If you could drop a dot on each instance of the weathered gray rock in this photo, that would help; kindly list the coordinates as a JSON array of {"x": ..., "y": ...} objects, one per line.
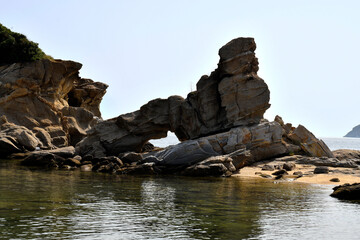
[
  {"x": 213, "y": 166},
  {"x": 309, "y": 143},
  {"x": 248, "y": 144},
  {"x": 329, "y": 162}
]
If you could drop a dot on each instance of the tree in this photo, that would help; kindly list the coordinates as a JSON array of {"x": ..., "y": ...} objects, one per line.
[{"x": 15, "y": 47}]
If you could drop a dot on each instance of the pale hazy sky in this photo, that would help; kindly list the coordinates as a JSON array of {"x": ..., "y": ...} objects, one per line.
[{"x": 308, "y": 50}]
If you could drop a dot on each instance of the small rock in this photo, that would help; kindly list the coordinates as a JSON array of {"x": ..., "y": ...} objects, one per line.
[
  {"x": 72, "y": 162},
  {"x": 86, "y": 162},
  {"x": 280, "y": 172},
  {"x": 77, "y": 157},
  {"x": 298, "y": 174},
  {"x": 321, "y": 170},
  {"x": 267, "y": 167},
  {"x": 86, "y": 168},
  {"x": 111, "y": 159},
  {"x": 289, "y": 166},
  {"x": 130, "y": 157},
  {"x": 263, "y": 175},
  {"x": 66, "y": 167},
  {"x": 335, "y": 180},
  {"x": 278, "y": 166},
  {"x": 279, "y": 177},
  {"x": 150, "y": 159}
]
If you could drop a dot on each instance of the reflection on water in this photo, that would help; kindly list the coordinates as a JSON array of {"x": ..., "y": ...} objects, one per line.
[{"x": 74, "y": 205}]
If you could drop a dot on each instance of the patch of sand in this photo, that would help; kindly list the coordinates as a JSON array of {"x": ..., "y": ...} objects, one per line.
[{"x": 345, "y": 175}]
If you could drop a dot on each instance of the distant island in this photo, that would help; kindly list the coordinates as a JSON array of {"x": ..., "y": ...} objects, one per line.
[{"x": 355, "y": 132}]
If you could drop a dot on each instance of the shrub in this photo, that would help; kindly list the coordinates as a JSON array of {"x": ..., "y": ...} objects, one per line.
[{"x": 15, "y": 47}]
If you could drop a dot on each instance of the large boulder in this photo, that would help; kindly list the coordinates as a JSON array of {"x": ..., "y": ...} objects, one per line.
[
  {"x": 242, "y": 144},
  {"x": 213, "y": 166},
  {"x": 347, "y": 191}
]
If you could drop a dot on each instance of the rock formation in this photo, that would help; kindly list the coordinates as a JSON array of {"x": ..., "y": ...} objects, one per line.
[
  {"x": 221, "y": 121},
  {"x": 355, "y": 132},
  {"x": 47, "y": 103},
  {"x": 233, "y": 95}
]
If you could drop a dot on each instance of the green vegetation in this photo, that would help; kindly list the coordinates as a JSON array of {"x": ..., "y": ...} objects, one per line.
[{"x": 15, "y": 47}]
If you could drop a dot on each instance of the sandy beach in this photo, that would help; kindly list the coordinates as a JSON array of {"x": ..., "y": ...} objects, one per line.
[{"x": 345, "y": 175}]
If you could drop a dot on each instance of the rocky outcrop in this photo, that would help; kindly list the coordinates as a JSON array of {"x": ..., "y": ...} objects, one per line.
[
  {"x": 47, "y": 100},
  {"x": 355, "y": 132},
  {"x": 220, "y": 125},
  {"x": 232, "y": 96},
  {"x": 343, "y": 154},
  {"x": 221, "y": 122}
]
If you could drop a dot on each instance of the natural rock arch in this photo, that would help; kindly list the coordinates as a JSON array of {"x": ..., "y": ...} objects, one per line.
[{"x": 233, "y": 95}]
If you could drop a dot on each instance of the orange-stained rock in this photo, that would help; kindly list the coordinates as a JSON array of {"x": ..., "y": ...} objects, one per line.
[{"x": 39, "y": 96}]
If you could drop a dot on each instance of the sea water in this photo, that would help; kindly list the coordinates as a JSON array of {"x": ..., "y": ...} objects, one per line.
[
  {"x": 36, "y": 204},
  {"x": 333, "y": 143}
]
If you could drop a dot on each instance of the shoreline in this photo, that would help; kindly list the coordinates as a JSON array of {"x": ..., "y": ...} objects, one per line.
[{"x": 345, "y": 175}]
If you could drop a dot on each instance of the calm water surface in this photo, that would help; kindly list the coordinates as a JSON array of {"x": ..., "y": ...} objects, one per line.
[{"x": 76, "y": 205}]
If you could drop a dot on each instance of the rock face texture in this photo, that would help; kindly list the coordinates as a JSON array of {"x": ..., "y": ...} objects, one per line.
[
  {"x": 355, "y": 132},
  {"x": 47, "y": 101},
  {"x": 233, "y": 95}
]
